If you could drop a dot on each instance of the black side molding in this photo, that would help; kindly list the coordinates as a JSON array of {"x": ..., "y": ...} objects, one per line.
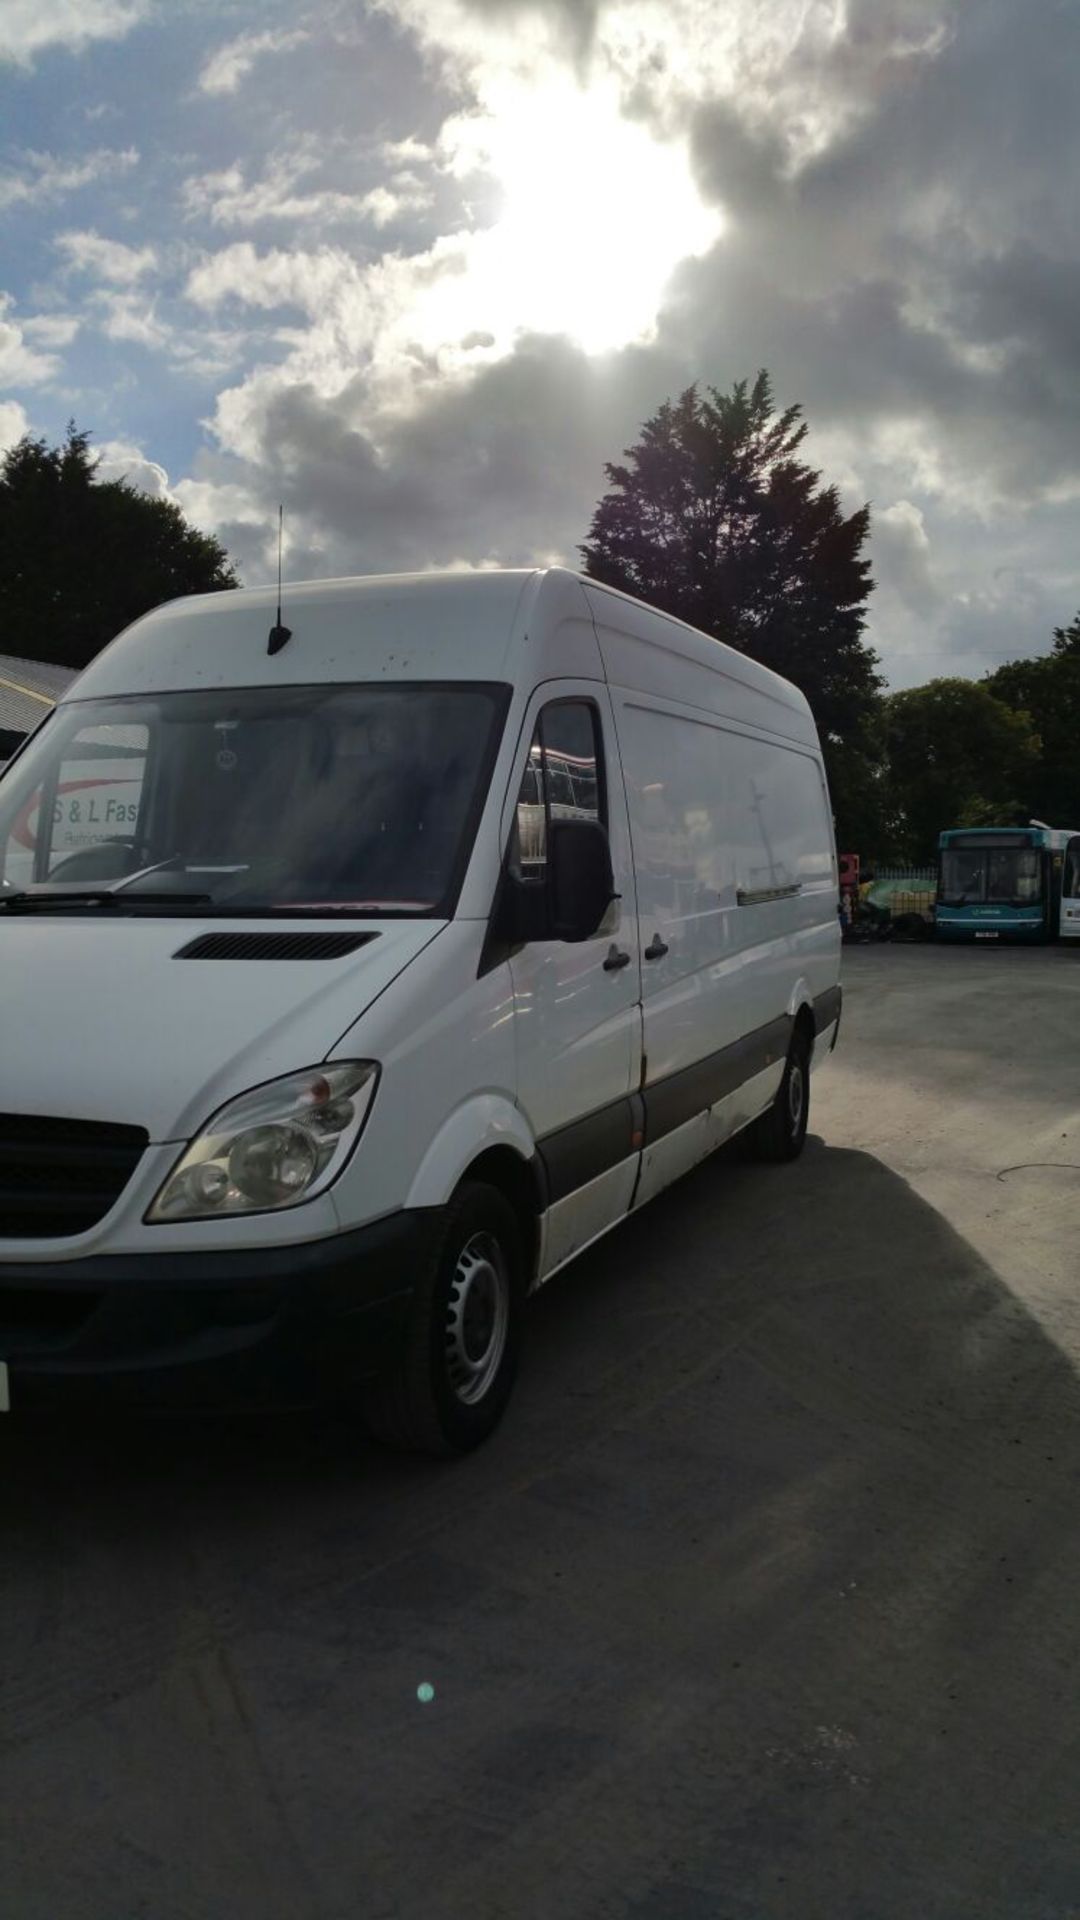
[
  {"x": 582, "y": 1151},
  {"x": 759, "y": 896},
  {"x": 670, "y": 1102},
  {"x": 827, "y": 1008},
  {"x": 586, "y": 1148}
]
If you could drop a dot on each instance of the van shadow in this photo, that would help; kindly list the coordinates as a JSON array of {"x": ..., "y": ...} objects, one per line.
[{"x": 762, "y": 1602}]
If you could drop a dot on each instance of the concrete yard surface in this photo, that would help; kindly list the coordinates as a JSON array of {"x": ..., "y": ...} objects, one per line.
[{"x": 762, "y": 1604}]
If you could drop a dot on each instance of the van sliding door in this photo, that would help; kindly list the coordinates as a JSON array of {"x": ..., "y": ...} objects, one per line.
[{"x": 732, "y": 855}]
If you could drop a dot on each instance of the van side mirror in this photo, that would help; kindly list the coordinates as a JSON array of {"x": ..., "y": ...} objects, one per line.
[{"x": 581, "y": 883}]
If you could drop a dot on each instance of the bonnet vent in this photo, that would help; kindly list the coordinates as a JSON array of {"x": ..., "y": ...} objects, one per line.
[{"x": 273, "y": 946}]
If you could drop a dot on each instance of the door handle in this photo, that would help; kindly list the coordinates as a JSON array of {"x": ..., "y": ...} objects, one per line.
[
  {"x": 616, "y": 959},
  {"x": 656, "y": 948}
]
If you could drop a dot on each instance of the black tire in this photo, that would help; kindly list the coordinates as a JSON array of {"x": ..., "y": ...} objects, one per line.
[
  {"x": 780, "y": 1133},
  {"x": 453, "y": 1377}
]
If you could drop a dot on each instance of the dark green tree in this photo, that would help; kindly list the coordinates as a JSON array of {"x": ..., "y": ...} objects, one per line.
[
  {"x": 956, "y": 757},
  {"x": 716, "y": 519},
  {"x": 1049, "y": 690},
  {"x": 80, "y": 558}
]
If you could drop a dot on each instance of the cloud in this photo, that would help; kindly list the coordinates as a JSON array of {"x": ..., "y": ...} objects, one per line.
[
  {"x": 402, "y": 194},
  {"x": 232, "y": 63},
  {"x": 132, "y": 317},
  {"x": 808, "y": 70},
  {"x": 30, "y": 27},
  {"x": 51, "y": 329},
  {"x": 123, "y": 460},
  {"x": 208, "y": 353},
  {"x": 1011, "y": 614},
  {"x": 13, "y": 424},
  {"x": 20, "y": 365},
  {"x": 892, "y": 241},
  {"x": 901, "y": 553},
  {"x": 109, "y": 260},
  {"x": 499, "y": 467},
  {"x": 229, "y": 199},
  {"x": 278, "y": 278},
  {"x": 44, "y": 178},
  {"x": 428, "y": 344}
]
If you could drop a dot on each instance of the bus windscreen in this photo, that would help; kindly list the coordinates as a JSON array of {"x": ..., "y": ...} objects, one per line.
[{"x": 992, "y": 872}]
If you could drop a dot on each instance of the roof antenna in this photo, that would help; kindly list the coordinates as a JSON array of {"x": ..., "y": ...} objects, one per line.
[{"x": 278, "y": 633}]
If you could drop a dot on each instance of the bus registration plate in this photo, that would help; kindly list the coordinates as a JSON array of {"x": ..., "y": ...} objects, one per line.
[{"x": 986, "y": 934}]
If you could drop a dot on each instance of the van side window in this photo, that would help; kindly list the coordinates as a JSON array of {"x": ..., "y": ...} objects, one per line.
[
  {"x": 716, "y": 815},
  {"x": 563, "y": 780}
]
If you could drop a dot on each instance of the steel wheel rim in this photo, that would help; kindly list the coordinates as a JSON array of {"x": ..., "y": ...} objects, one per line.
[
  {"x": 795, "y": 1095},
  {"x": 477, "y": 1318}
]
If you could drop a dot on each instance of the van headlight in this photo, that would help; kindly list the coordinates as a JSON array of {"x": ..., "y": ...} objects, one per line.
[{"x": 280, "y": 1144}]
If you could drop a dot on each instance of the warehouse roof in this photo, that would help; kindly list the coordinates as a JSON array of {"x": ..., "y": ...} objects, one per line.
[{"x": 28, "y": 688}]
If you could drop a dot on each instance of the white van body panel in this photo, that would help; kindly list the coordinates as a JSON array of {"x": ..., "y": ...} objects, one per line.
[
  {"x": 444, "y": 1040},
  {"x": 734, "y": 864},
  {"x": 422, "y": 626},
  {"x": 168, "y": 1059},
  {"x": 482, "y": 1122},
  {"x": 553, "y": 640},
  {"x": 662, "y": 657}
]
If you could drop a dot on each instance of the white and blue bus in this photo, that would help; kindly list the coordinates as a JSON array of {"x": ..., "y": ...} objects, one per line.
[
  {"x": 1070, "y": 890},
  {"x": 1008, "y": 883}
]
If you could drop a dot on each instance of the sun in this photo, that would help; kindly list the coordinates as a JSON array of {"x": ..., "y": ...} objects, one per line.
[{"x": 594, "y": 215}]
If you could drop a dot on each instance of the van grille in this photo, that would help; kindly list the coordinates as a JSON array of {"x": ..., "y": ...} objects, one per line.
[{"x": 61, "y": 1176}]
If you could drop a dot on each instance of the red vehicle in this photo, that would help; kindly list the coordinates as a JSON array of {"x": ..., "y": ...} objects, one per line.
[{"x": 849, "y": 887}]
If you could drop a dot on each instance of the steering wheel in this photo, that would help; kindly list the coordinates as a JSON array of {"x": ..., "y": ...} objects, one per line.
[{"x": 86, "y": 862}]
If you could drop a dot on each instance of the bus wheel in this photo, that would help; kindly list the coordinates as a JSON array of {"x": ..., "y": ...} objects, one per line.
[
  {"x": 780, "y": 1133},
  {"x": 453, "y": 1378}
]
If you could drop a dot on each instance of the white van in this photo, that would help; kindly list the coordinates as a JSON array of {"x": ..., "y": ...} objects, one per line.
[{"x": 350, "y": 986}]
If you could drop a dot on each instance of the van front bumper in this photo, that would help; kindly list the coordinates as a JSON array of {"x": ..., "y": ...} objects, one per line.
[{"x": 259, "y": 1326}]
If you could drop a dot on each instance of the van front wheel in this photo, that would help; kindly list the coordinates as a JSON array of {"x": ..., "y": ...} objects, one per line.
[
  {"x": 454, "y": 1375},
  {"x": 780, "y": 1133}
]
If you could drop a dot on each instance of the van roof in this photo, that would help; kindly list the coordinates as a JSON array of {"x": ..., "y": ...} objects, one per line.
[{"x": 478, "y": 625}]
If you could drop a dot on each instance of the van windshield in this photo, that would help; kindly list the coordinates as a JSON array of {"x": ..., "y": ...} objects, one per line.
[{"x": 331, "y": 799}]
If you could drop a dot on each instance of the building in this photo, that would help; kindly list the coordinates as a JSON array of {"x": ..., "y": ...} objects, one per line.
[{"x": 28, "y": 689}]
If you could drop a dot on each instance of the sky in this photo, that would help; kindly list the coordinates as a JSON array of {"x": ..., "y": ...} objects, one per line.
[{"x": 416, "y": 268}]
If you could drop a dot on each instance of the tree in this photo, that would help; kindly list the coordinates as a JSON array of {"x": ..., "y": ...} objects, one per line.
[
  {"x": 1049, "y": 690},
  {"x": 715, "y": 519},
  {"x": 80, "y": 558},
  {"x": 956, "y": 757}
]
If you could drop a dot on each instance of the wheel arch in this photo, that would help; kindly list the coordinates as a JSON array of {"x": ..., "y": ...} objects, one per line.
[
  {"x": 487, "y": 1139},
  {"x": 801, "y": 1014},
  {"x": 520, "y": 1182}
]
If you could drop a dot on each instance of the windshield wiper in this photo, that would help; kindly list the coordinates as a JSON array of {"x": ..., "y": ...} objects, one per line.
[{"x": 26, "y": 902}]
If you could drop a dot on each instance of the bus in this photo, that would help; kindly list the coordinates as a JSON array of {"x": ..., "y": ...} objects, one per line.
[
  {"x": 1070, "y": 890},
  {"x": 1005, "y": 883}
]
